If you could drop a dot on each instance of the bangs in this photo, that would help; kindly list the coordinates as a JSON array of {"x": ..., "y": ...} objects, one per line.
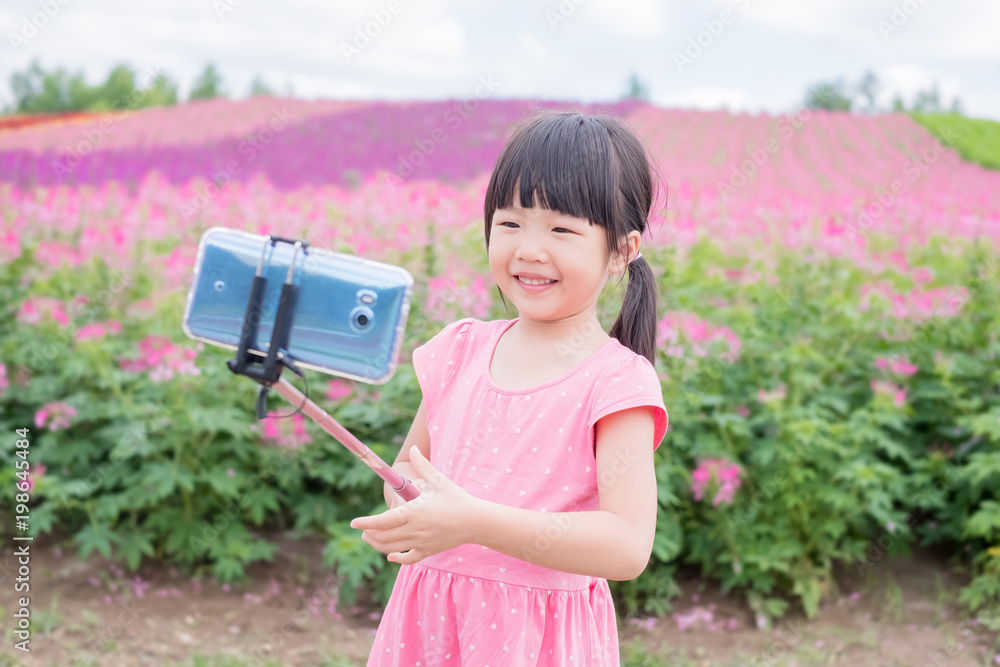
[{"x": 560, "y": 162}]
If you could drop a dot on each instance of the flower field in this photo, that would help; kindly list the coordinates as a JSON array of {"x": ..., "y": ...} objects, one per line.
[{"x": 828, "y": 334}]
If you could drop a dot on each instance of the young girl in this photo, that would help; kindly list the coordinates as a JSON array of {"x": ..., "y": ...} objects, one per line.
[{"x": 533, "y": 445}]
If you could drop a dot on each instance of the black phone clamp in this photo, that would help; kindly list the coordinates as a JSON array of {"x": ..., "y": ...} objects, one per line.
[{"x": 267, "y": 371}]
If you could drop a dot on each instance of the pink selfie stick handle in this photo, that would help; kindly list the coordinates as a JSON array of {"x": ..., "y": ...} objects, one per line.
[{"x": 403, "y": 487}]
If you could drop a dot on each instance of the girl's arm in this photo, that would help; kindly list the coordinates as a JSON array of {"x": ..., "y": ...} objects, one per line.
[
  {"x": 614, "y": 542},
  {"x": 418, "y": 436}
]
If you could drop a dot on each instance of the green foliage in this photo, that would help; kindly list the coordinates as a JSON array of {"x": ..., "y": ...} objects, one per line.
[
  {"x": 831, "y": 470},
  {"x": 39, "y": 91},
  {"x": 976, "y": 140},
  {"x": 207, "y": 85}
]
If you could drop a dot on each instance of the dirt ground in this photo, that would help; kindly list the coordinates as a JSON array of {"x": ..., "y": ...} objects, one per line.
[{"x": 904, "y": 614}]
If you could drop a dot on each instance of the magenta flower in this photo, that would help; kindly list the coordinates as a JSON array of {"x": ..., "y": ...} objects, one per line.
[
  {"x": 54, "y": 416},
  {"x": 34, "y": 471},
  {"x": 337, "y": 390},
  {"x": 35, "y": 308},
  {"x": 284, "y": 432},
  {"x": 897, "y": 365},
  {"x": 726, "y": 475},
  {"x": 898, "y": 394},
  {"x": 162, "y": 359},
  {"x": 447, "y": 300},
  {"x": 97, "y": 330},
  {"x": 678, "y": 328}
]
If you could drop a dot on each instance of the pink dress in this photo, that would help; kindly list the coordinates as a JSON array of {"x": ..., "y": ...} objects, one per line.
[{"x": 530, "y": 448}]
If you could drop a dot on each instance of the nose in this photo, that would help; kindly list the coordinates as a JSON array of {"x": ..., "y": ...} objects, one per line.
[{"x": 530, "y": 248}]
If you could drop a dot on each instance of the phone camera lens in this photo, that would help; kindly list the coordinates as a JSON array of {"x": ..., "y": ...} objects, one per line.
[{"x": 361, "y": 318}]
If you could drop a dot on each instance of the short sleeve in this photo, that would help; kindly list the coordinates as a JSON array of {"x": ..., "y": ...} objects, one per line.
[
  {"x": 633, "y": 383},
  {"x": 436, "y": 361}
]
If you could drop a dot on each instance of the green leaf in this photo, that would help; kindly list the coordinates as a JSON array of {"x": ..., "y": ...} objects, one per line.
[
  {"x": 133, "y": 544},
  {"x": 92, "y": 537}
]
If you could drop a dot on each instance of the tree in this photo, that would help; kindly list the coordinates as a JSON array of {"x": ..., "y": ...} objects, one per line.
[
  {"x": 207, "y": 85},
  {"x": 39, "y": 91},
  {"x": 258, "y": 87},
  {"x": 832, "y": 96},
  {"x": 636, "y": 89},
  {"x": 869, "y": 88}
]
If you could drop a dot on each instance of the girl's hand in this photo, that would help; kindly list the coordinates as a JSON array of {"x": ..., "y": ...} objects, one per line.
[
  {"x": 442, "y": 517},
  {"x": 395, "y": 500}
]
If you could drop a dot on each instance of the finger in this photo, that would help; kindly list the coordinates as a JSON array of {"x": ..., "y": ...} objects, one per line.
[
  {"x": 385, "y": 546},
  {"x": 406, "y": 557},
  {"x": 388, "y": 519},
  {"x": 375, "y": 544},
  {"x": 389, "y": 535}
]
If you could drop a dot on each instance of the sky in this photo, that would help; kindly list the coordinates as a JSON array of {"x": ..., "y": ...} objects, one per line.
[{"x": 743, "y": 55}]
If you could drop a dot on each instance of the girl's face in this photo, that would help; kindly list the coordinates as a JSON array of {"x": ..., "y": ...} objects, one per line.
[{"x": 539, "y": 244}]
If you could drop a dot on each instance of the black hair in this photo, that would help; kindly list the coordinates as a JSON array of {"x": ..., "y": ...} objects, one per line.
[{"x": 590, "y": 166}]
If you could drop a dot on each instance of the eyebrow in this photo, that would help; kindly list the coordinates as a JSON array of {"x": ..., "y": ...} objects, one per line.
[{"x": 518, "y": 212}]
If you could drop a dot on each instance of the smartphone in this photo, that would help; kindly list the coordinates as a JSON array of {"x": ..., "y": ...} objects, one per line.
[{"x": 349, "y": 315}]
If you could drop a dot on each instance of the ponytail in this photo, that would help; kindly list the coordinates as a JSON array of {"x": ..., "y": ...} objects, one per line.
[{"x": 635, "y": 327}]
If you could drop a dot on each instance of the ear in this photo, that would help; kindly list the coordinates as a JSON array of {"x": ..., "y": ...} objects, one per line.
[{"x": 621, "y": 261}]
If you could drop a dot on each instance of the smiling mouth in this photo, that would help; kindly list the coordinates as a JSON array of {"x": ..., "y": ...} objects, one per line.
[{"x": 534, "y": 283}]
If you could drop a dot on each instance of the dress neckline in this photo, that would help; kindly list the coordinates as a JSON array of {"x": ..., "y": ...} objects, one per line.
[{"x": 544, "y": 385}]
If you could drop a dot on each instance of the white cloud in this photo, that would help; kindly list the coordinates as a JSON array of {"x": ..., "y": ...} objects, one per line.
[
  {"x": 636, "y": 18},
  {"x": 961, "y": 29}
]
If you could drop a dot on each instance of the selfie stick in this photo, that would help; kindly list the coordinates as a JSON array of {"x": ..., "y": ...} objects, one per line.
[{"x": 267, "y": 373}]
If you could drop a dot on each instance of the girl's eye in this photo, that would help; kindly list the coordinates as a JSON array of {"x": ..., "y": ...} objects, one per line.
[{"x": 507, "y": 222}]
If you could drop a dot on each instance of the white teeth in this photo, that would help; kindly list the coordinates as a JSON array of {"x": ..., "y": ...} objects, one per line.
[{"x": 535, "y": 282}]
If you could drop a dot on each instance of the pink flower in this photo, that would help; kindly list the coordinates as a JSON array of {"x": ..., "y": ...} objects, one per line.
[
  {"x": 727, "y": 475},
  {"x": 92, "y": 330},
  {"x": 34, "y": 471},
  {"x": 278, "y": 431},
  {"x": 898, "y": 394},
  {"x": 685, "y": 621},
  {"x": 648, "y": 623},
  {"x": 447, "y": 300},
  {"x": 742, "y": 410},
  {"x": 679, "y": 327},
  {"x": 34, "y": 308},
  {"x": 897, "y": 365},
  {"x": 139, "y": 587},
  {"x": 775, "y": 394},
  {"x": 338, "y": 390},
  {"x": 54, "y": 416},
  {"x": 4, "y": 382},
  {"x": 162, "y": 359}
]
